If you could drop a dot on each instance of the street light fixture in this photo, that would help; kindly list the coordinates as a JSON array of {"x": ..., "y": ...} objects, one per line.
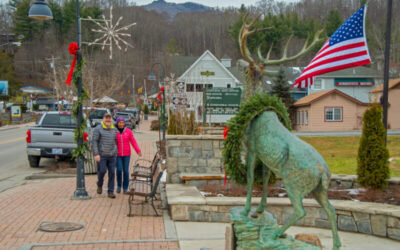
[{"x": 39, "y": 10}]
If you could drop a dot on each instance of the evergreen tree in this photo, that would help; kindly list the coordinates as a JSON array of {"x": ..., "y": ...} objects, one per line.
[
  {"x": 281, "y": 89},
  {"x": 7, "y": 73},
  {"x": 372, "y": 159},
  {"x": 333, "y": 22}
]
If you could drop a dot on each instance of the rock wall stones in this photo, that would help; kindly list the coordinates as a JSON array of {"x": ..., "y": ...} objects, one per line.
[
  {"x": 362, "y": 217},
  {"x": 193, "y": 154}
]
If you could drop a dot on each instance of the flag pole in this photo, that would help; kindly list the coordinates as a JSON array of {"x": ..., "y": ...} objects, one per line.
[{"x": 387, "y": 65}]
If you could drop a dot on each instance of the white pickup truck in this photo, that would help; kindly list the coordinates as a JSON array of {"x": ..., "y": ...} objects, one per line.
[{"x": 52, "y": 137}]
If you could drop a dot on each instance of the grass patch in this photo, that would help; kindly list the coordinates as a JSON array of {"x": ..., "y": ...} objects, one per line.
[{"x": 340, "y": 152}]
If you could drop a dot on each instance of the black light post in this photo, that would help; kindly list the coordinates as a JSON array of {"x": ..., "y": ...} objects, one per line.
[
  {"x": 39, "y": 10},
  {"x": 153, "y": 77},
  {"x": 387, "y": 65}
]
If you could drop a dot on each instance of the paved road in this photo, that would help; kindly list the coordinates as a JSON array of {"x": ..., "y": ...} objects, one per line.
[{"x": 14, "y": 165}]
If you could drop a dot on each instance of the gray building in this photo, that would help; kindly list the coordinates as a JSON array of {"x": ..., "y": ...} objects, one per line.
[{"x": 355, "y": 82}]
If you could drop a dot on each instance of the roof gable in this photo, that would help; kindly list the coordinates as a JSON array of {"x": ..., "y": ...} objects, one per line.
[
  {"x": 308, "y": 100},
  {"x": 392, "y": 84},
  {"x": 207, "y": 55}
]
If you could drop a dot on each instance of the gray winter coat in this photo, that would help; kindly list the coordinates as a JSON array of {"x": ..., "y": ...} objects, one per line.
[{"x": 104, "y": 141}]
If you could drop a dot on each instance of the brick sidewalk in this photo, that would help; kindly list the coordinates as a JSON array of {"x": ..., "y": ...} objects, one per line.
[{"x": 24, "y": 208}]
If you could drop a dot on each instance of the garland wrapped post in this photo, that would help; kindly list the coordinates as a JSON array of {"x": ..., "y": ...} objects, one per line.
[
  {"x": 82, "y": 148},
  {"x": 234, "y": 135}
]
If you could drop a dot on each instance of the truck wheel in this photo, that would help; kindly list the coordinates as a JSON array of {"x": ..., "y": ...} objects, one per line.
[{"x": 34, "y": 161}]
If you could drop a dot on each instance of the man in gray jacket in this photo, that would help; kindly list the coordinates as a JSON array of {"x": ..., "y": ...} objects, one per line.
[{"x": 105, "y": 152}]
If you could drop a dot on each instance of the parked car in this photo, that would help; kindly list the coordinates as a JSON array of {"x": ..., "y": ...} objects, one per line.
[
  {"x": 129, "y": 119},
  {"x": 135, "y": 112},
  {"x": 96, "y": 116},
  {"x": 53, "y": 136}
]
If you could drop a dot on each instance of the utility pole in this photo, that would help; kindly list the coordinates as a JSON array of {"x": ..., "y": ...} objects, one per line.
[
  {"x": 55, "y": 81},
  {"x": 387, "y": 65},
  {"x": 145, "y": 93},
  {"x": 133, "y": 87}
]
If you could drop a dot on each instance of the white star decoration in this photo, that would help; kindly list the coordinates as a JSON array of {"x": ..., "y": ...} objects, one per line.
[{"x": 111, "y": 34}]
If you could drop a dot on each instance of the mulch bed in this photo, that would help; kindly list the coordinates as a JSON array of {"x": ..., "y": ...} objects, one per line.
[{"x": 390, "y": 195}]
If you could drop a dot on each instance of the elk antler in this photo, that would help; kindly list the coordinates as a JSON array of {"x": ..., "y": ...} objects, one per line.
[
  {"x": 243, "y": 34},
  {"x": 306, "y": 48}
]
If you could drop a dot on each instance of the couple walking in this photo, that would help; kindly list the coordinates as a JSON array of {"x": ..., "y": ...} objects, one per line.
[{"x": 111, "y": 148}]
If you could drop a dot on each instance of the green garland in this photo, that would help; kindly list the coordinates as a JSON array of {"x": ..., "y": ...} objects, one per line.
[
  {"x": 233, "y": 148},
  {"x": 80, "y": 151}
]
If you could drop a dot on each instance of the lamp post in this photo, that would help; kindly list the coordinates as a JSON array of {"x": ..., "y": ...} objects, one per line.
[
  {"x": 163, "y": 112},
  {"x": 39, "y": 10},
  {"x": 387, "y": 65}
]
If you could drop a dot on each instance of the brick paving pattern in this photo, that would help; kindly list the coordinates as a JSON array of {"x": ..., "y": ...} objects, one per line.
[{"x": 24, "y": 208}]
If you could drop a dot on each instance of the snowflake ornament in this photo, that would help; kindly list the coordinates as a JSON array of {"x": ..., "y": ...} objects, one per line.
[{"x": 111, "y": 33}]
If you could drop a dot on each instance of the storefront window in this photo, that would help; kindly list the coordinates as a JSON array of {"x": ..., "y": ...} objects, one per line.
[
  {"x": 199, "y": 87},
  {"x": 189, "y": 87}
]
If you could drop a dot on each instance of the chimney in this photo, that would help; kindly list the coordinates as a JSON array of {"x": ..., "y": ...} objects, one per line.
[{"x": 226, "y": 61}]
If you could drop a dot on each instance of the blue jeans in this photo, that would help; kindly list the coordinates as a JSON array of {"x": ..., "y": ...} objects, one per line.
[
  {"x": 106, "y": 164},
  {"x": 123, "y": 168}
]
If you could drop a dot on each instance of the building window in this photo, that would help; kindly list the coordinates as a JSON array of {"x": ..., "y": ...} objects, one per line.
[
  {"x": 306, "y": 117},
  {"x": 228, "y": 85},
  {"x": 199, "y": 87},
  {"x": 333, "y": 114},
  {"x": 189, "y": 87},
  {"x": 302, "y": 117},
  {"x": 317, "y": 84},
  {"x": 298, "y": 117},
  {"x": 209, "y": 86}
]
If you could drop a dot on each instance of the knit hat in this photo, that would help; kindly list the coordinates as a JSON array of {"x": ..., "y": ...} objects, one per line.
[{"x": 120, "y": 118}]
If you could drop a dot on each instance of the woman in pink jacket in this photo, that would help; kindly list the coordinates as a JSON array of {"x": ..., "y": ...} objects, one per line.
[{"x": 124, "y": 140}]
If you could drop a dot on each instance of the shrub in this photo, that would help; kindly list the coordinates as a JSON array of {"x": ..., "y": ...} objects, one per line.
[
  {"x": 372, "y": 159},
  {"x": 155, "y": 125},
  {"x": 146, "y": 110}
]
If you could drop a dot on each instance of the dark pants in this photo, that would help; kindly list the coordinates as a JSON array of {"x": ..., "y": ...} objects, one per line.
[
  {"x": 123, "y": 169},
  {"x": 106, "y": 163}
]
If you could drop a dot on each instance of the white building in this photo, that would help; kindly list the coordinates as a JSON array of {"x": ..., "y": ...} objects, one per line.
[{"x": 207, "y": 72}]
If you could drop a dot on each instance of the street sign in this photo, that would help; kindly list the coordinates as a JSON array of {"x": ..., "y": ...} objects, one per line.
[
  {"x": 3, "y": 88},
  {"x": 223, "y": 101}
]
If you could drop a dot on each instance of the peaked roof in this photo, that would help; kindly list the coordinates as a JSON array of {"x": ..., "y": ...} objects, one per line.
[
  {"x": 207, "y": 52},
  {"x": 105, "y": 99},
  {"x": 308, "y": 100},
  {"x": 392, "y": 83}
]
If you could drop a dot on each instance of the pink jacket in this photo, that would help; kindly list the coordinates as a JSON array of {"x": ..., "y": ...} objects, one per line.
[{"x": 124, "y": 148}]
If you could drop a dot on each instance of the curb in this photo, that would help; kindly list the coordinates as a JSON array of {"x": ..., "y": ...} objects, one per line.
[{"x": 48, "y": 176}]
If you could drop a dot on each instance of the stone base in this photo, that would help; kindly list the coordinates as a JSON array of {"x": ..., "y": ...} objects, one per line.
[{"x": 259, "y": 233}]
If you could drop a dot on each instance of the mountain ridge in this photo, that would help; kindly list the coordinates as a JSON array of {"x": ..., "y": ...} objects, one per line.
[{"x": 162, "y": 6}]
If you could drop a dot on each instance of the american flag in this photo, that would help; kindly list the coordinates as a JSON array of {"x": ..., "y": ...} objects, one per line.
[{"x": 346, "y": 48}]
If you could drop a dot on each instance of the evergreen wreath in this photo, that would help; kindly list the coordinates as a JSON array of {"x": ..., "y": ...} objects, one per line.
[{"x": 233, "y": 145}]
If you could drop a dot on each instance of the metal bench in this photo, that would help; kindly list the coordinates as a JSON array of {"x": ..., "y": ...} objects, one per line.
[{"x": 141, "y": 186}]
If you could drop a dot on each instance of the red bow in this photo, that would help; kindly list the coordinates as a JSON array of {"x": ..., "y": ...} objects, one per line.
[
  {"x": 73, "y": 50},
  {"x": 225, "y": 133},
  {"x": 159, "y": 97},
  {"x": 162, "y": 89}
]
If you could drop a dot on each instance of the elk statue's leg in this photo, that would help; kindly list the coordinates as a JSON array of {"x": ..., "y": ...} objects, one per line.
[
  {"x": 251, "y": 163},
  {"x": 297, "y": 201},
  {"x": 320, "y": 193},
  {"x": 263, "y": 203}
]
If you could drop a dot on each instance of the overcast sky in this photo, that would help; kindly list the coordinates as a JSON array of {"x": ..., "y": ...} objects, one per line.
[{"x": 211, "y": 3}]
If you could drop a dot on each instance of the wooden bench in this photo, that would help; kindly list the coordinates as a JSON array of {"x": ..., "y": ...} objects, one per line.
[{"x": 201, "y": 179}]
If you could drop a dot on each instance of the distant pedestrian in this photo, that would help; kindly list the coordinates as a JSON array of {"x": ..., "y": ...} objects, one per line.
[
  {"x": 105, "y": 151},
  {"x": 125, "y": 138}
]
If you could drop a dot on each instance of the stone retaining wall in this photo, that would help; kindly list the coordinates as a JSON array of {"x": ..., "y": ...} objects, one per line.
[
  {"x": 187, "y": 204},
  {"x": 193, "y": 154},
  {"x": 203, "y": 154}
]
